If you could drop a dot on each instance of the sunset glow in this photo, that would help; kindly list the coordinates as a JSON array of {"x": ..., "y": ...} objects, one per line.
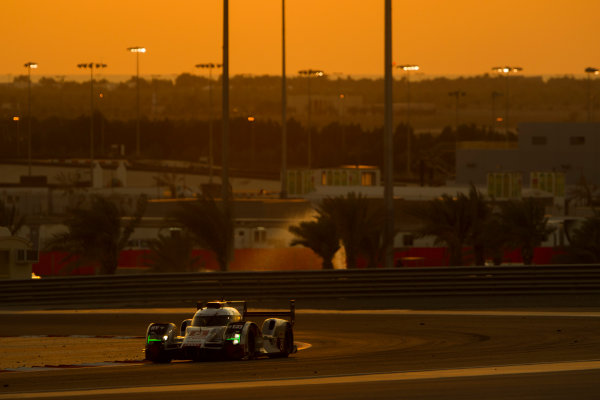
[{"x": 462, "y": 37}]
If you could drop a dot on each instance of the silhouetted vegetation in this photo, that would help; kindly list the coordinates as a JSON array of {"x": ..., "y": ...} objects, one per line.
[
  {"x": 10, "y": 218},
  {"x": 353, "y": 221},
  {"x": 210, "y": 226},
  {"x": 172, "y": 253},
  {"x": 320, "y": 235},
  {"x": 96, "y": 234}
]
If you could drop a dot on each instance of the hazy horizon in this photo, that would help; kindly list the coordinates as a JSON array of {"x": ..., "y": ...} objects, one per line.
[
  {"x": 458, "y": 38},
  {"x": 115, "y": 78}
]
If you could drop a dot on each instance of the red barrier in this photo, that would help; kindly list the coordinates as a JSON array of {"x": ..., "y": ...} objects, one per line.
[{"x": 279, "y": 259}]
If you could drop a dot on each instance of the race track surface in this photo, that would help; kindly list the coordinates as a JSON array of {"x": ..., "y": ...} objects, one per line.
[{"x": 404, "y": 355}]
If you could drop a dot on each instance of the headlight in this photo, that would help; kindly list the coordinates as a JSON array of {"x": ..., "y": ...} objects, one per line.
[
  {"x": 235, "y": 339},
  {"x": 165, "y": 338}
]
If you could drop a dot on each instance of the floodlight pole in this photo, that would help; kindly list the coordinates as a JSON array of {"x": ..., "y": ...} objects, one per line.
[
  {"x": 91, "y": 66},
  {"x": 507, "y": 70},
  {"x": 388, "y": 141},
  {"x": 283, "y": 193},
  {"x": 225, "y": 193},
  {"x": 210, "y": 67},
  {"x": 137, "y": 50},
  {"x": 590, "y": 71},
  {"x": 29, "y": 66}
]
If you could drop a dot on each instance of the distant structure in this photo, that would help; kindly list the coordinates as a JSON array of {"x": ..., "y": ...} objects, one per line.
[
  {"x": 16, "y": 256},
  {"x": 571, "y": 150}
]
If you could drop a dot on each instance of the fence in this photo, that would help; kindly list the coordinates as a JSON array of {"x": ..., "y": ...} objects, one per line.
[{"x": 166, "y": 290}]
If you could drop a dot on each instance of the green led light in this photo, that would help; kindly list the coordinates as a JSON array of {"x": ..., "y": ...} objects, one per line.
[{"x": 154, "y": 340}]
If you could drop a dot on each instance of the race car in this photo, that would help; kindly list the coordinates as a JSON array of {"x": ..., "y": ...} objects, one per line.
[{"x": 220, "y": 330}]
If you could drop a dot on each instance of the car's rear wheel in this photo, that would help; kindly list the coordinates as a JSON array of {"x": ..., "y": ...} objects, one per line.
[{"x": 285, "y": 344}]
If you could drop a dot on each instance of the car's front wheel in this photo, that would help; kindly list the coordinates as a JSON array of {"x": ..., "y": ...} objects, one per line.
[{"x": 157, "y": 354}]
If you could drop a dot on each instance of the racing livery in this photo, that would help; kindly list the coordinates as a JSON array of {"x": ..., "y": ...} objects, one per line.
[{"x": 220, "y": 329}]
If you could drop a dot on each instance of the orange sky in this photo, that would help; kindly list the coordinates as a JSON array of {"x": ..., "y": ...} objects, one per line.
[{"x": 457, "y": 37}]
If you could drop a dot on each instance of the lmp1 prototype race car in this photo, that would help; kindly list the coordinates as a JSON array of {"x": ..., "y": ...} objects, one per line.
[{"x": 220, "y": 329}]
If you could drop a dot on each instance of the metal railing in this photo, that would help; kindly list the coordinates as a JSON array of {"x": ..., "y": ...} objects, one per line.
[{"x": 179, "y": 289}]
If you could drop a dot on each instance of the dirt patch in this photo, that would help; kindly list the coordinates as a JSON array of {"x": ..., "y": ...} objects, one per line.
[{"x": 18, "y": 352}]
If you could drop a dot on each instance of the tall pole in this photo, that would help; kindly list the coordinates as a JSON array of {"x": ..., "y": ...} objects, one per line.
[
  {"x": 29, "y": 120},
  {"x": 29, "y": 66},
  {"x": 506, "y": 102},
  {"x": 494, "y": 118},
  {"x": 91, "y": 124},
  {"x": 225, "y": 140},
  {"x": 137, "y": 50},
  {"x": 210, "y": 127},
  {"x": 507, "y": 71},
  {"x": 388, "y": 140},
  {"x": 210, "y": 67},
  {"x": 589, "y": 97},
  {"x": 456, "y": 94},
  {"x": 17, "y": 119},
  {"x": 408, "y": 124},
  {"x": 407, "y": 68},
  {"x": 283, "y": 193},
  {"x": 137, "y": 86},
  {"x": 308, "y": 125},
  {"x": 91, "y": 66},
  {"x": 590, "y": 71},
  {"x": 308, "y": 73}
]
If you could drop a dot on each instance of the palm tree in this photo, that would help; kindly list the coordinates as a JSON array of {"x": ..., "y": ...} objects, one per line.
[
  {"x": 96, "y": 234},
  {"x": 496, "y": 238},
  {"x": 355, "y": 222},
  {"x": 10, "y": 218},
  {"x": 586, "y": 194},
  {"x": 373, "y": 241},
  {"x": 526, "y": 224},
  {"x": 450, "y": 220},
  {"x": 320, "y": 236},
  {"x": 170, "y": 180},
  {"x": 172, "y": 254},
  {"x": 481, "y": 213},
  {"x": 210, "y": 225},
  {"x": 584, "y": 243}
]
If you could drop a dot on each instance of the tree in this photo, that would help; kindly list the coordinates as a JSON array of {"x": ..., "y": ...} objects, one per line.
[
  {"x": 496, "y": 238},
  {"x": 359, "y": 225},
  {"x": 320, "y": 236},
  {"x": 481, "y": 214},
  {"x": 96, "y": 234},
  {"x": 450, "y": 220},
  {"x": 10, "y": 218},
  {"x": 526, "y": 224},
  {"x": 172, "y": 254},
  {"x": 170, "y": 180},
  {"x": 210, "y": 225},
  {"x": 373, "y": 242},
  {"x": 584, "y": 245},
  {"x": 586, "y": 194}
]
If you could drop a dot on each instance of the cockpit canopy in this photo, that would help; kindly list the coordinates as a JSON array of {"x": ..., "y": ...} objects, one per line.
[{"x": 216, "y": 317}]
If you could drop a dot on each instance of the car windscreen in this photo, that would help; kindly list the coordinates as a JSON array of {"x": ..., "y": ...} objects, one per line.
[{"x": 214, "y": 320}]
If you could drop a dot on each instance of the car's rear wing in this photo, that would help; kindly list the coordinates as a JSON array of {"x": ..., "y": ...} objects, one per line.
[
  {"x": 290, "y": 315},
  {"x": 243, "y": 309}
]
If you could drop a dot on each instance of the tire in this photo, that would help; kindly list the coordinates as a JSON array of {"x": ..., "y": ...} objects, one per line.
[
  {"x": 288, "y": 342},
  {"x": 286, "y": 346},
  {"x": 251, "y": 343},
  {"x": 157, "y": 355}
]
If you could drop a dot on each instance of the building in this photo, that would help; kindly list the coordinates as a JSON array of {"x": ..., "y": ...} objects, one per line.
[
  {"x": 16, "y": 256},
  {"x": 569, "y": 148}
]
